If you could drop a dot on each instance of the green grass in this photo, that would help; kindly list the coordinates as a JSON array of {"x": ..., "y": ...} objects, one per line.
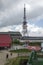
[
  {"x": 20, "y": 50},
  {"x": 38, "y": 63},
  {"x": 15, "y": 61}
]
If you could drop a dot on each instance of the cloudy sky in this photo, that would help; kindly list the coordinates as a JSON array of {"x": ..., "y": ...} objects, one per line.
[{"x": 11, "y": 16}]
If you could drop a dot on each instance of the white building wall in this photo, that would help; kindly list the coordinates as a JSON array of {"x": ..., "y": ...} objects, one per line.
[
  {"x": 35, "y": 40},
  {"x": 42, "y": 46},
  {"x": 31, "y": 40}
]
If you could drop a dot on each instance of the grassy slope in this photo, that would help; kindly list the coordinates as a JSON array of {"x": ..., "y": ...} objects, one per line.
[
  {"x": 15, "y": 61},
  {"x": 20, "y": 50}
]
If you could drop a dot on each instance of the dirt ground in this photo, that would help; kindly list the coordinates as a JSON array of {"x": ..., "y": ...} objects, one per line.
[{"x": 3, "y": 56}]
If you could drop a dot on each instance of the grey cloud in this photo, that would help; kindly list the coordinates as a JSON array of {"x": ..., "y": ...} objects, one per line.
[
  {"x": 38, "y": 11},
  {"x": 4, "y": 4},
  {"x": 13, "y": 11}
]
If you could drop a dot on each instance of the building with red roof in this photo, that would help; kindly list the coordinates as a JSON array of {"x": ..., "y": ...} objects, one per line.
[{"x": 5, "y": 40}]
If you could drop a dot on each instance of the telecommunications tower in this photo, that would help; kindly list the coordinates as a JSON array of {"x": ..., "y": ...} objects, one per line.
[{"x": 25, "y": 33}]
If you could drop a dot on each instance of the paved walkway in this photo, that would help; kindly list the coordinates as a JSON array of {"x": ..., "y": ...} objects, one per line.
[{"x": 3, "y": 56}]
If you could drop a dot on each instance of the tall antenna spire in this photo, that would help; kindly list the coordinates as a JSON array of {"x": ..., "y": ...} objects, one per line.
[
  {"x": 24, "y": 23},
  {"x": 24, "y": 14}
]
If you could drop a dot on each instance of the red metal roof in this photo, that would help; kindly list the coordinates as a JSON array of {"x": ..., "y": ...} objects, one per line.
[{"x": 5, "y": 40}]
